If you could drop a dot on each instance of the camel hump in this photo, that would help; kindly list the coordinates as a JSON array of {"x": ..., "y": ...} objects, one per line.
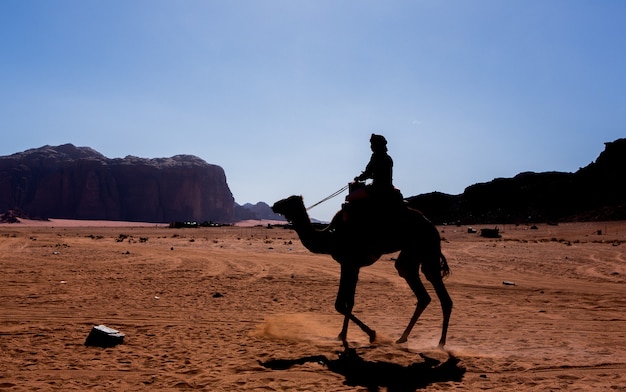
[
  {"x": 369, "y": 212},
  {"x": 377, "y": 194}
]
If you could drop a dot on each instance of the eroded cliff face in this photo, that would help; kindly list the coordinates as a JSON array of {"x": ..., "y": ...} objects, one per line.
[
  {"x": 80, "y": 183},
  {"x": 593, "y": 193}
]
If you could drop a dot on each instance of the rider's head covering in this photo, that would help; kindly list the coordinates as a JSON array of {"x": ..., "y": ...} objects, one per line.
[{"x": 378, "y": 142}]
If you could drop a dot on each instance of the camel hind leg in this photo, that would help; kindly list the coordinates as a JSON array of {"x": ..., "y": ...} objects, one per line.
[
  {"x": 435, "y": 275},
  {"x": 408, "y": 267}
]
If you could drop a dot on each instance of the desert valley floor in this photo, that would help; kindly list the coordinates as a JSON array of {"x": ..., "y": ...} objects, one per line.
[{"x": 249, "y": 308}]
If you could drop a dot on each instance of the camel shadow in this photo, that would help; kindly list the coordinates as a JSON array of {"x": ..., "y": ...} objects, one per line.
[{"x": 376, "y": 374}]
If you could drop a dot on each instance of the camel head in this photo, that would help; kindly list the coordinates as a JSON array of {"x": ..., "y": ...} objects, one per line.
[{"x": 289, "y": 207}]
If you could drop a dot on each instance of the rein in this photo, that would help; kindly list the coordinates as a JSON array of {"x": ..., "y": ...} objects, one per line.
[{"x": 337, "y": 193}]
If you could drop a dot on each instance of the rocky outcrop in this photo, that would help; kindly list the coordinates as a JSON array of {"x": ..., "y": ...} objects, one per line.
[
  {"x": 595, "y": 192},
  {"x": 258, "y": 211},
  {"x": 80, "y": 183}
]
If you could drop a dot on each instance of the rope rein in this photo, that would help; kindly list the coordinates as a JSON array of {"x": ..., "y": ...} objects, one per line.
[{"x": 337, "y": 193}]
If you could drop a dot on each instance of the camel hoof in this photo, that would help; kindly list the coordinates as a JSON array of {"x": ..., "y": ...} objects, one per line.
[
  {"x": 401, "y": 340},
  {"x": 372, "y": 336}
]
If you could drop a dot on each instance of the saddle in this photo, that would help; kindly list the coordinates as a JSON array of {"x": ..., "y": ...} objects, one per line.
[{"x": 368, "y": 205}]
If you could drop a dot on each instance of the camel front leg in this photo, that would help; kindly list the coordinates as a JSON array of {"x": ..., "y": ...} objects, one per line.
[
  {"x": 343, "y": 335},
  {"x": 345, "y": 303},
  {"x": 370, "y": 332}
]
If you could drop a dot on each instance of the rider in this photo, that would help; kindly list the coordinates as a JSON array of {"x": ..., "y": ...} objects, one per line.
[
  {"x": 379, "y": 168},
  {"x": 381, "y": 196}
]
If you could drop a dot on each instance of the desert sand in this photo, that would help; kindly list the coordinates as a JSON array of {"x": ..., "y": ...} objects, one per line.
[{"x": 248, "y": 308}]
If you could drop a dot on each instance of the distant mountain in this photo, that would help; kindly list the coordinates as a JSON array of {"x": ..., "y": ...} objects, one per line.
[
  {"x": 595, "y": 192},
  {"x": 80, "y": 183},
  {"x": 256, "y": 211}
]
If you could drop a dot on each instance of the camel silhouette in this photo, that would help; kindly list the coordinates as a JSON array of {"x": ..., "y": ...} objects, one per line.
[{"x": 357, "y": 237}]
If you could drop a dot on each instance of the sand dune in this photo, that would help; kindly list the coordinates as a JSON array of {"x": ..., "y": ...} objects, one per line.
[{"x": 248, "y": 308}]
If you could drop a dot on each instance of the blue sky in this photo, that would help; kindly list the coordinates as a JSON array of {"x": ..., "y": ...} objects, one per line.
[{"x": 284, "y": 94}]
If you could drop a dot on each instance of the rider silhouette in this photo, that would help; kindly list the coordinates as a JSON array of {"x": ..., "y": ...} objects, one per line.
[
  {"x": 380, "y": 166},
  {"x": 380, "y": 199}
]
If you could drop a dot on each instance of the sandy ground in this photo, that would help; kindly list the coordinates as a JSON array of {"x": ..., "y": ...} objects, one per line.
[{"x": 248, "y": 308}]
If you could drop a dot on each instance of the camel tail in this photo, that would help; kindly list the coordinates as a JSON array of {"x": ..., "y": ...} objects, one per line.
[{"x": 445, "y": 270}]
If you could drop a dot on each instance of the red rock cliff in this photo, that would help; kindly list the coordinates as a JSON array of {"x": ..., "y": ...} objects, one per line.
[{"x": 80, "y": 183}]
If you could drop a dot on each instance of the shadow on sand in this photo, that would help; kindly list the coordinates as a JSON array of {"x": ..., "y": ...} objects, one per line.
[{"x": 374, "y": 375}]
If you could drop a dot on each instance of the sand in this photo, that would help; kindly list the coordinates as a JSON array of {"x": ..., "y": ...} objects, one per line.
[{"x": 248, "y": 308}]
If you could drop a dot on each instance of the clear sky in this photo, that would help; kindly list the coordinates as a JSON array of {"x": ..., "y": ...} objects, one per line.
[{"x": 285, "y": 94}]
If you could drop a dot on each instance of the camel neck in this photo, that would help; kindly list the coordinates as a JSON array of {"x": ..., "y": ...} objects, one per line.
[{"x": 316, "y": 241}]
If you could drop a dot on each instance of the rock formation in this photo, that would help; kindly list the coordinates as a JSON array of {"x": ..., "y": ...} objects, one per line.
[
  {"x": 80, "y": 183},
  {"x": 595, "y": 192},
  {"x": 260, "y": 210}
]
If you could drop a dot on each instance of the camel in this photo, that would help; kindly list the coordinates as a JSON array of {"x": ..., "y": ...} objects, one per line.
[{"x": 354, "y": 242}]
